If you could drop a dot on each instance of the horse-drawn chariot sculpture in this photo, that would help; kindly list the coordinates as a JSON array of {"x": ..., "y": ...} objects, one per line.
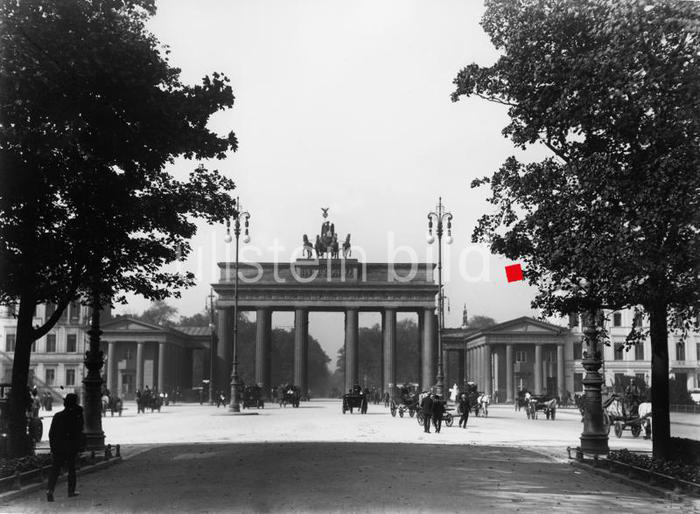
[
  {"x": 356, "y": 398},
  {"x": 327, "y": 243}
]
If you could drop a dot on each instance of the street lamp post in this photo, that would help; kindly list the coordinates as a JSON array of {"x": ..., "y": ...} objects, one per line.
[
  {"x": 212, "y": 349},
  {"x": 438, "y": 217},
  {"x": 235, "y": 382}
]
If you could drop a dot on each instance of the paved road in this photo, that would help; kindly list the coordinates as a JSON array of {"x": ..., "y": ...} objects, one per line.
[
  {"x": 345, "y": 477},
  {"x": 199, "y": 458}
]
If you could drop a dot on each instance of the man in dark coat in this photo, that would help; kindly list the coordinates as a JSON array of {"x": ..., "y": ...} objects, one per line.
[
  {"x": 66, "y": 438},
  {"x": 426, "y": 407},
  {"x": 438, "y": 411},
  {"x": 464, "y": 410}
]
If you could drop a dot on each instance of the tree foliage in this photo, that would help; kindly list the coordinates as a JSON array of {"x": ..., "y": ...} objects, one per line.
[
  {"x": 612, "y": 219},
  {"x": 91, "y": 113}
]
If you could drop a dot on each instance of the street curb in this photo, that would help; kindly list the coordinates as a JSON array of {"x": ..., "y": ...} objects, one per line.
[
  {"x": 11, "y": 495},
  {"x": 638, "y": 484}
]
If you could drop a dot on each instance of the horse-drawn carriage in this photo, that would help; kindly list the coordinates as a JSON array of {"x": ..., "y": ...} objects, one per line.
[
  {"x": 622, "y": 413},
  {"x": 447, "y": 416},
  {"x": 289, "y": 395},
  {"x": 111, "y": 403},
  {"x": 356, "y": 398},
  {"x": 253, "y": 397},
  {"x": 407, "y": 402},
  {"x": 543, "y": 403}
]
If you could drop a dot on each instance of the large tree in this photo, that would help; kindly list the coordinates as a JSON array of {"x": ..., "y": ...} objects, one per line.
[
  {"x": 91, "y": 113},
  {"x": 612, "y": 219}
]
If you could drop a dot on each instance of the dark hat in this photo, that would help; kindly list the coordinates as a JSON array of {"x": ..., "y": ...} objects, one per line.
[{"x": 71, "y": 400}]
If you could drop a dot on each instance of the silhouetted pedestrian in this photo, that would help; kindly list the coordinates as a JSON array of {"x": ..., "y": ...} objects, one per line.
[
  {"x": 65, "y": 438},
  {"x": 426, "y": 407}
]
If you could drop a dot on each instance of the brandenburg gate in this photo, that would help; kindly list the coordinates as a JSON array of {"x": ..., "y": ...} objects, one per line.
[{"x": 325, "y": 284}]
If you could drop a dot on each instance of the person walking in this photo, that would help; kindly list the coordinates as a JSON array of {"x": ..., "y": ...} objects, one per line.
[
  {"x": 66, "y": 439},
  {"x": 464, "y": 410},
  {"x": 426, "y": 406},
  {"x": 438, "y": 411}
]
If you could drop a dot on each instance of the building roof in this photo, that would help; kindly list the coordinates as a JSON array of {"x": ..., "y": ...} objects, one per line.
[{"x": 195, "y": 331}]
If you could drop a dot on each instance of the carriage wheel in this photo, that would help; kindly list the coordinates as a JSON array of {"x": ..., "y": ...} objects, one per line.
[
  {"x": 344, "y": 408},
  {"x": 449, "y": 420},
  {"x": 636, "y": 430},
  {"x": 419, "y": 418},
  {"x": 393, "y": 410},
  {"x": 618, "y": 429}
]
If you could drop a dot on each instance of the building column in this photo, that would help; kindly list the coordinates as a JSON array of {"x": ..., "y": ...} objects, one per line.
[
  {"x": 139, "y": 366},
  {"x": 446, "y": 373},
  {"x": 301, "y": 341},
  {"x": 419, "y": 371},
  {"x": 224, "y": 349},
  {"x": 561, "y": 386},
  {"x": 111, "y": 367},
  {"x": 460, "y": 367},
  {"x": 263, "y": 321},
  {"x": 352, "y": 349},
  {"x": 428, "y": 350},
  {"x": 496, "y": 362},
  {"x": 538, "y": 369},
  {"x": 389, "y": 351},
  {"x": 162, "y": 356},
  {"x": 509, "y": 374},
  {"x": 488, "y": 370}
]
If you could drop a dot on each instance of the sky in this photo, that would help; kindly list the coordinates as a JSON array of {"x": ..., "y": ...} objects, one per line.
[{"x": 347, "y": 105}]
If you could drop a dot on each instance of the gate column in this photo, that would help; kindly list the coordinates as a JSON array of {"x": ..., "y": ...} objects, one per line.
[
  {"x": 561, "y": 388},
  {"x": 428, "y": 349},
  {"x": 389, "y": 351},
  {"x": 224, "y": 350},
  {"x": 352, "y": 349},
  {"x": 461, "y": 355},
  {"x": 263, "y": 321},
  {"x": 488, "y": 368},
  {"x": 301, "y": 341}
]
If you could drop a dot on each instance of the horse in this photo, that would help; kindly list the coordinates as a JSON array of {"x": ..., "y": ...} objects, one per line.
[
  {"x": 347, "y": 252},
  {"x": 320, "y": 248},
  {"x": 308, "y": 248},
  {"x": 105, "y": 404},
  {"x": 334, "y": 248}
]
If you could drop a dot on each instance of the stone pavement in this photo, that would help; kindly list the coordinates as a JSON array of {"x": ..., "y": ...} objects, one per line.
[
  {"x": 335, "y": 477},
  {"x": 199, "y": 458}
]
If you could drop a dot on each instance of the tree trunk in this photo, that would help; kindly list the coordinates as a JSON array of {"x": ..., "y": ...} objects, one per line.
[
  {"x": 660, "y": 415},
  {"x": 17, "y": 423}
]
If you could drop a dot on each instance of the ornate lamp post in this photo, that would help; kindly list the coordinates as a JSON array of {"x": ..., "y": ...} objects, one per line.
[
  {"x": 594, "y": 438},
  {"x": 438, "y": 217},
  {"x": 235, "y": 382}
]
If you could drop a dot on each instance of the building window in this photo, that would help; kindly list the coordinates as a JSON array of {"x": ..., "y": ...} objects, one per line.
[
  {"x": 637, "y": 321},
  {"x": 34, "y": 346},
  {"x": 550, "y": 356},
  {"x": 50, "y": 375},
  {"x": 71, "y": 343},
  {"x": 573, "y": 320},
  {"x": 617, "y": 319},
  {"x": 70, "y": 377},
  {"x": 74, "y": 312},
  {"x": 50, "y": 343},
  {"x": 680, "y": 351},
  {"x": 578, "y": 382},
  {"x": 639, "y": 351},
  {"x": 578, "y": 351},
  {"x": 10, "y": 340},
  {"x": 617, "y": 353},
  {"x": 520, "y": 356}
]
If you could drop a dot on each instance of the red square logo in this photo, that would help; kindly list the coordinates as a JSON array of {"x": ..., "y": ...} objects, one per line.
[{"x": 514, "y": 273}]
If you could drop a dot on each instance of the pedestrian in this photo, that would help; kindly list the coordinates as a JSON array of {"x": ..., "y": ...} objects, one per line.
[
  {"x": 464, "y": 410},
  {"x": 438, "y": 411},
  {"x": 426, "y": 406},
  {"x": 66, "y": 439}
]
